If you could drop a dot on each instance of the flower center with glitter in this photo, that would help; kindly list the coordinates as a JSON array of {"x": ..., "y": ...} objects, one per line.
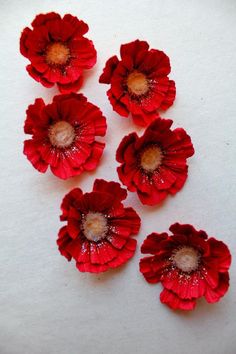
[
  {"x": 151, "y": 158},
  {"x": 186, "y": 259},
  {"x": 95, "y": 226},
  {"x": 137, "y": 83},
  {"x": 61, "y": 134},
  {"x": 57, "y": 54}
]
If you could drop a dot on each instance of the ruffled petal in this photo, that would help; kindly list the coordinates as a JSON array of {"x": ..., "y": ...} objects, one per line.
[
  {"x": 71, "y": 87},
  {"x": 33, "y": 155},
  {"x": 110, "y": 66},
  {"x": 83, "y": 53},
  {"x": 214, "y": 295},
  {"x": 92, "y": 268},
  {"x": 186, "y": 286},
  {"x": 23, "y": 41},
  {"x": 112, "y": 188},
  {"x": 174, "y": 302},
  {"x": 95, "y": 156},
  {"x": 68, "y": 202},
  {"x": 33, "y": 115},
  {"x": 117, "y": 105},
  {"x": 80, "y": 26},
  {"x": 153, "y": 198},
  {"x": 42, "y": 19},
  {"x": 38, "y": 77},
  {"x": 124, "y": 254},
  {"x": 169, "y": 97},
  {"x": 151, "y": 268},
  {"x": 131, "y": 49},
  {"x": 156, "y": 62},
  {"x": 220, "y": 252},
  {"x": 63, "y": 241},
  {"x": 187, "y": 229},
  {"x": 153, "y": 243}
]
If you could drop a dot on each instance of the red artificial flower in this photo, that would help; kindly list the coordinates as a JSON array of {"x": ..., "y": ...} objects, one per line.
[
  {"x": 63, "y": 135},
  {"x": 154, "y": 165},
  {"x": 188, "y": 264},
  {"x": 58, "y": 51},
  {"x": 98, "y": 230},
  {"x": 139, "y": 82}
]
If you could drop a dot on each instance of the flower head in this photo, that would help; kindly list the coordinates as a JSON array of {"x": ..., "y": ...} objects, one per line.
[
  {"x": 58, "y": 51},
  {"x": 188, "y": 264},
  {"x": 63, "y": 135},
  {"x": 139, "y": 82},
  {"x": 98, "y": 230},
  {"x": 154, "y": 165}
]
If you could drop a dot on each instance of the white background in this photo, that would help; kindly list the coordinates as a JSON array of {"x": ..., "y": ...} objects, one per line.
[{"x": 47, "y": 306}]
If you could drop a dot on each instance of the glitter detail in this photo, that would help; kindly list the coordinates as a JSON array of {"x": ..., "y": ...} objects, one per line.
[
  {"x": 151, "y": 158},
  {"x": 137, "y": 83},
  {"x": 186, "y": 259},
  {"x": 57, "y": 54},
  {"x": 61, "y": 134},
  {"x": 95, "y": 226}
]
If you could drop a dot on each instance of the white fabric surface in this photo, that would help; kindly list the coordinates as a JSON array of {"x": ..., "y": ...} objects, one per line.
[{"x": 46, "y": 305}]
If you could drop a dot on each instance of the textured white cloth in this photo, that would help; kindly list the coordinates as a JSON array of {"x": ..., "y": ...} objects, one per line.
[{"x": 46, "y": 305}]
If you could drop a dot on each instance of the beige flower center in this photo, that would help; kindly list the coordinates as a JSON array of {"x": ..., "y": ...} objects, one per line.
[
  {"x": 151, "y": 158},
  {"x": 61, "y": 134},
  {"x": 95, "y": 226},
  {"x": 186, "y": 259},
  {"x": 137, "y": 83},
  {"x": 57, "y": 54}
]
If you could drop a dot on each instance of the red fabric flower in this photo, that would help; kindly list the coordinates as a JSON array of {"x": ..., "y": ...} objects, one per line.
[
  {"x": 58, "y": 51},
  {"x": 98, "y": 230},
  {"x": 63, "y": 135},
  {"x": 154, "y": 165},
  {"x": 139, "y": 82},
  {"x": 188, "y": 264}
]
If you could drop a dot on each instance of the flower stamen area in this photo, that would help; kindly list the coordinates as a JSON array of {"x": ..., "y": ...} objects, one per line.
[
  {"x": 137, "y": 83},
  {"x": 186, "y": 259},
  {"x": 151, "y": 158},
  {"x": 61, "y": 134},
  {"x": 95, "y": 226},
  {"x": 57, "y": 54}
]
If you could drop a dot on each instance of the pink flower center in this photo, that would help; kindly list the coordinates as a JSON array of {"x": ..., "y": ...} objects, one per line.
[
  {"x": 151, "y": 158},
  {"x": 137, "y": 83},
  {"x": 94, "y": 226},
  {"x": 57, "y": 54},
  {"x": 61, "y": 134},
  {"x": 186, "y": 259}
]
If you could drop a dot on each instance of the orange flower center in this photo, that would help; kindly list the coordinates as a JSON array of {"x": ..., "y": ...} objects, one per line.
[
  {"x": 137, "y": 83},
  {"x": 61, "y": 134},
  {"x": 57, "y": 54},
  {"x": 151, "y": 158},
  {"x": 186, "y": 259},
  {"x": 95, "y": 226}
]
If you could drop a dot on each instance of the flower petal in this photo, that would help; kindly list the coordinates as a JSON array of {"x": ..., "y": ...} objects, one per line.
[
  {"x": 214, "y": 295},
  {"x": 174, "y": 302}
]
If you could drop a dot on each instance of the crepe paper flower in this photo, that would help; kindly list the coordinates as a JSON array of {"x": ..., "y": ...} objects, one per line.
[
  {"x": 139, "y": 82},
  {"x": 98, "y": 230},
  {"x": 63, "y": 135},
  {"x": 188, "y": 264},
  {"x": 154, "y": 165},
  {"x": 58, "y": 51}
]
